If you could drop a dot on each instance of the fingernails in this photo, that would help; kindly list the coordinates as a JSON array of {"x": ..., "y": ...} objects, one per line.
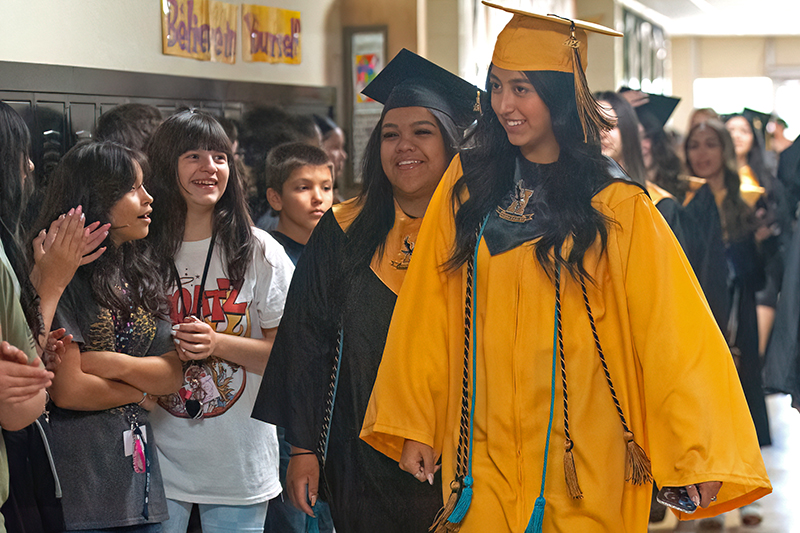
[
  {"x": 313, "y": 499},
  {"x": 71, "y": 212},
  {"x": 174, "y": 332},
  {"x": 430, "y": 479},
  {"x": 83, "y": 216},
  {"x": 177, "y": 341},
  {"x": 696, "y": 500}
]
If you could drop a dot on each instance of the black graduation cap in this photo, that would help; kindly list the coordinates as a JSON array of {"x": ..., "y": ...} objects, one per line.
[
  {"x": 757, "y": 119},
  {"x": 410, "y": 80},
  {"x": 653, "y": 110}
]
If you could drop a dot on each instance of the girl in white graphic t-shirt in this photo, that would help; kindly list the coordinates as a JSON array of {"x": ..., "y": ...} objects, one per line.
[{"x": 227, "y": 284}]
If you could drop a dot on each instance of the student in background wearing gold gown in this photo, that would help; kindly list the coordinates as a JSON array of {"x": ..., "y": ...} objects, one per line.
[{"x": 575, "y": 284}]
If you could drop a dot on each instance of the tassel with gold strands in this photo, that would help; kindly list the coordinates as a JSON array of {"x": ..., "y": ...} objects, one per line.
[
  {"x": 477, "y": 106},
  {"x": 450, "y": 517},
  {"x": 570, "y": 474},
  {"x": 593, "y": 120},
  {"x": 637, "y": 465}
]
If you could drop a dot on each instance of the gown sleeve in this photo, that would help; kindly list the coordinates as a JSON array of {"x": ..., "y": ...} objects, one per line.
[
  {"x": 412, "y": 392},
  {"x": 697, "y": 420},
  {"x": 297, "y": 377}
]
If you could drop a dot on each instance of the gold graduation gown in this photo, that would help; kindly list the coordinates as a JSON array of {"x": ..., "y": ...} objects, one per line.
[{"x": 670, "y": 364}]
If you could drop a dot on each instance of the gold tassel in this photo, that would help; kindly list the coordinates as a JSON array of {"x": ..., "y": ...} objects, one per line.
[
  {"x": 570, "y": 473},
  {"x": 477, "y": 106},
  {"x": 440, "y": 523},
  {"x": 593, "y": 119},
  {"x": 637, "y": 464}
]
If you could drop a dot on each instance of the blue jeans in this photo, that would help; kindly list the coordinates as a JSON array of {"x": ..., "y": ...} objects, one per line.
[{"x": 216, "y": 518}]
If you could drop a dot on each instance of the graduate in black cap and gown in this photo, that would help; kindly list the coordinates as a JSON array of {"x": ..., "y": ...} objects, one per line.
[{"x": 331, "y": 339}]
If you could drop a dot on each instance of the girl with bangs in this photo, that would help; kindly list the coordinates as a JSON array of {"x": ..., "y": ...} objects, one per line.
[
  {"x": 227, "y": 283},
  {"x": 540, "y": 344},
  {"x": 102, "y": 439}
]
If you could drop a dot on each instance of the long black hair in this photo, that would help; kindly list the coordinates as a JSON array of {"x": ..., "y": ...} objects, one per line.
[
  {"x": 180, "y": 133},
  {"x": 755, "y": 156},
  {"x": 367, "y": 234},
  {"x": 628, "y": 126},
  {"x": 15, "y": 149},
  {"x": 568, "y": 185},
  {"x": 96, "y": 175}
]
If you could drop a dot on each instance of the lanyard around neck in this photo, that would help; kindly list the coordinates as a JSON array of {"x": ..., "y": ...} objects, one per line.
[{"x": 201, "y": 293}]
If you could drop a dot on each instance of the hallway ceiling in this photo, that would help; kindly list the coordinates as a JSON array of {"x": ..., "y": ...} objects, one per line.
[{"x": 722, "y": 17}]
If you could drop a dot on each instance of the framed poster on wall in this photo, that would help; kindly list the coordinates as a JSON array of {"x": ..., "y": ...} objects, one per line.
[{"x": 365, "y": 53}]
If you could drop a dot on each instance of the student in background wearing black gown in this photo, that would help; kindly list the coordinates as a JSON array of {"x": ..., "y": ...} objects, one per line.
[{"x": 710, "y": 155}]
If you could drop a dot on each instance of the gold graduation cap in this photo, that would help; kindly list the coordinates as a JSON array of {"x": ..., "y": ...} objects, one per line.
[{"x": 534, "y": 42}]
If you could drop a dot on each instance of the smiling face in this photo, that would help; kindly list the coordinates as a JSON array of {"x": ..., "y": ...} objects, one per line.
[
  {"x": 203, "y": 178},
  {"x": 704, "y": 153},
  {"x": 130, "y": 216},
  {"x": 742, "y": 135},
  {"x": 413, "y": 154},
  {"x": 523, "y": 115},
  {"x": 305, "y": 197}
]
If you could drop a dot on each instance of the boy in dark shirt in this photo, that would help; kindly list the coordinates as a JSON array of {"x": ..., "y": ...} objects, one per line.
[{"x": 300, "y": 189}]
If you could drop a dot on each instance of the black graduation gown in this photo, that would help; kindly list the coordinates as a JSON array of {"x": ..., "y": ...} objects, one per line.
[
  {"x": 705, "y": 250},
  {"x": 730, "y": 276},
  {"x": 748, "y": 278},
  {"x": 782, "y": 360},
  {"x": 367, "y": 491}
]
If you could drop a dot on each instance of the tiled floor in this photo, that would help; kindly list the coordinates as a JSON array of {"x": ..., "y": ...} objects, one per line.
[{"x": 783, "y": 465}]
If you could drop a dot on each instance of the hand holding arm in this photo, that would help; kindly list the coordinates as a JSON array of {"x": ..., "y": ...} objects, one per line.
[{"x": 57, "y": 342}]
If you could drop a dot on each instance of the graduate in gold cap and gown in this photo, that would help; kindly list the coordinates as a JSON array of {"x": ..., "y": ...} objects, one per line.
[
  {"x": 551, "y": 343},
  {"x": 330, "y": 342}
]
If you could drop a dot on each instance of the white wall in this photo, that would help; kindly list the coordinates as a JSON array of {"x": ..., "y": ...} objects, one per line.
[{"x": 126, "y": 35}]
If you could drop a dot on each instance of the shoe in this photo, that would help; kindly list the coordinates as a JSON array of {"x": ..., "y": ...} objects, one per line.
[{"x": 751, "y": 514}]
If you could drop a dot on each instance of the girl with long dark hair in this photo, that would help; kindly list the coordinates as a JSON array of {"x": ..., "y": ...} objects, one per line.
[
  {"x": 111, "y": 307},
  {"x": 227, "y": 282},
  {"x": 338, "y": 310},
  {"x": 541, "y": 340},
  {"x": 710, "y": 155}
]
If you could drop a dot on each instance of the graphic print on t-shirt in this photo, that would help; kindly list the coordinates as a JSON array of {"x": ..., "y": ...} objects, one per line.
[{"x": 210, "y": 386}]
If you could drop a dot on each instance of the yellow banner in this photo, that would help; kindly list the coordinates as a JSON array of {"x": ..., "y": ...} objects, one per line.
[
  {"x": 271, "y": 34},
  {"x": 199, "y": 29},
  {"x": 222, "y": 31},
  {"x": 184, "y": 28}
]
